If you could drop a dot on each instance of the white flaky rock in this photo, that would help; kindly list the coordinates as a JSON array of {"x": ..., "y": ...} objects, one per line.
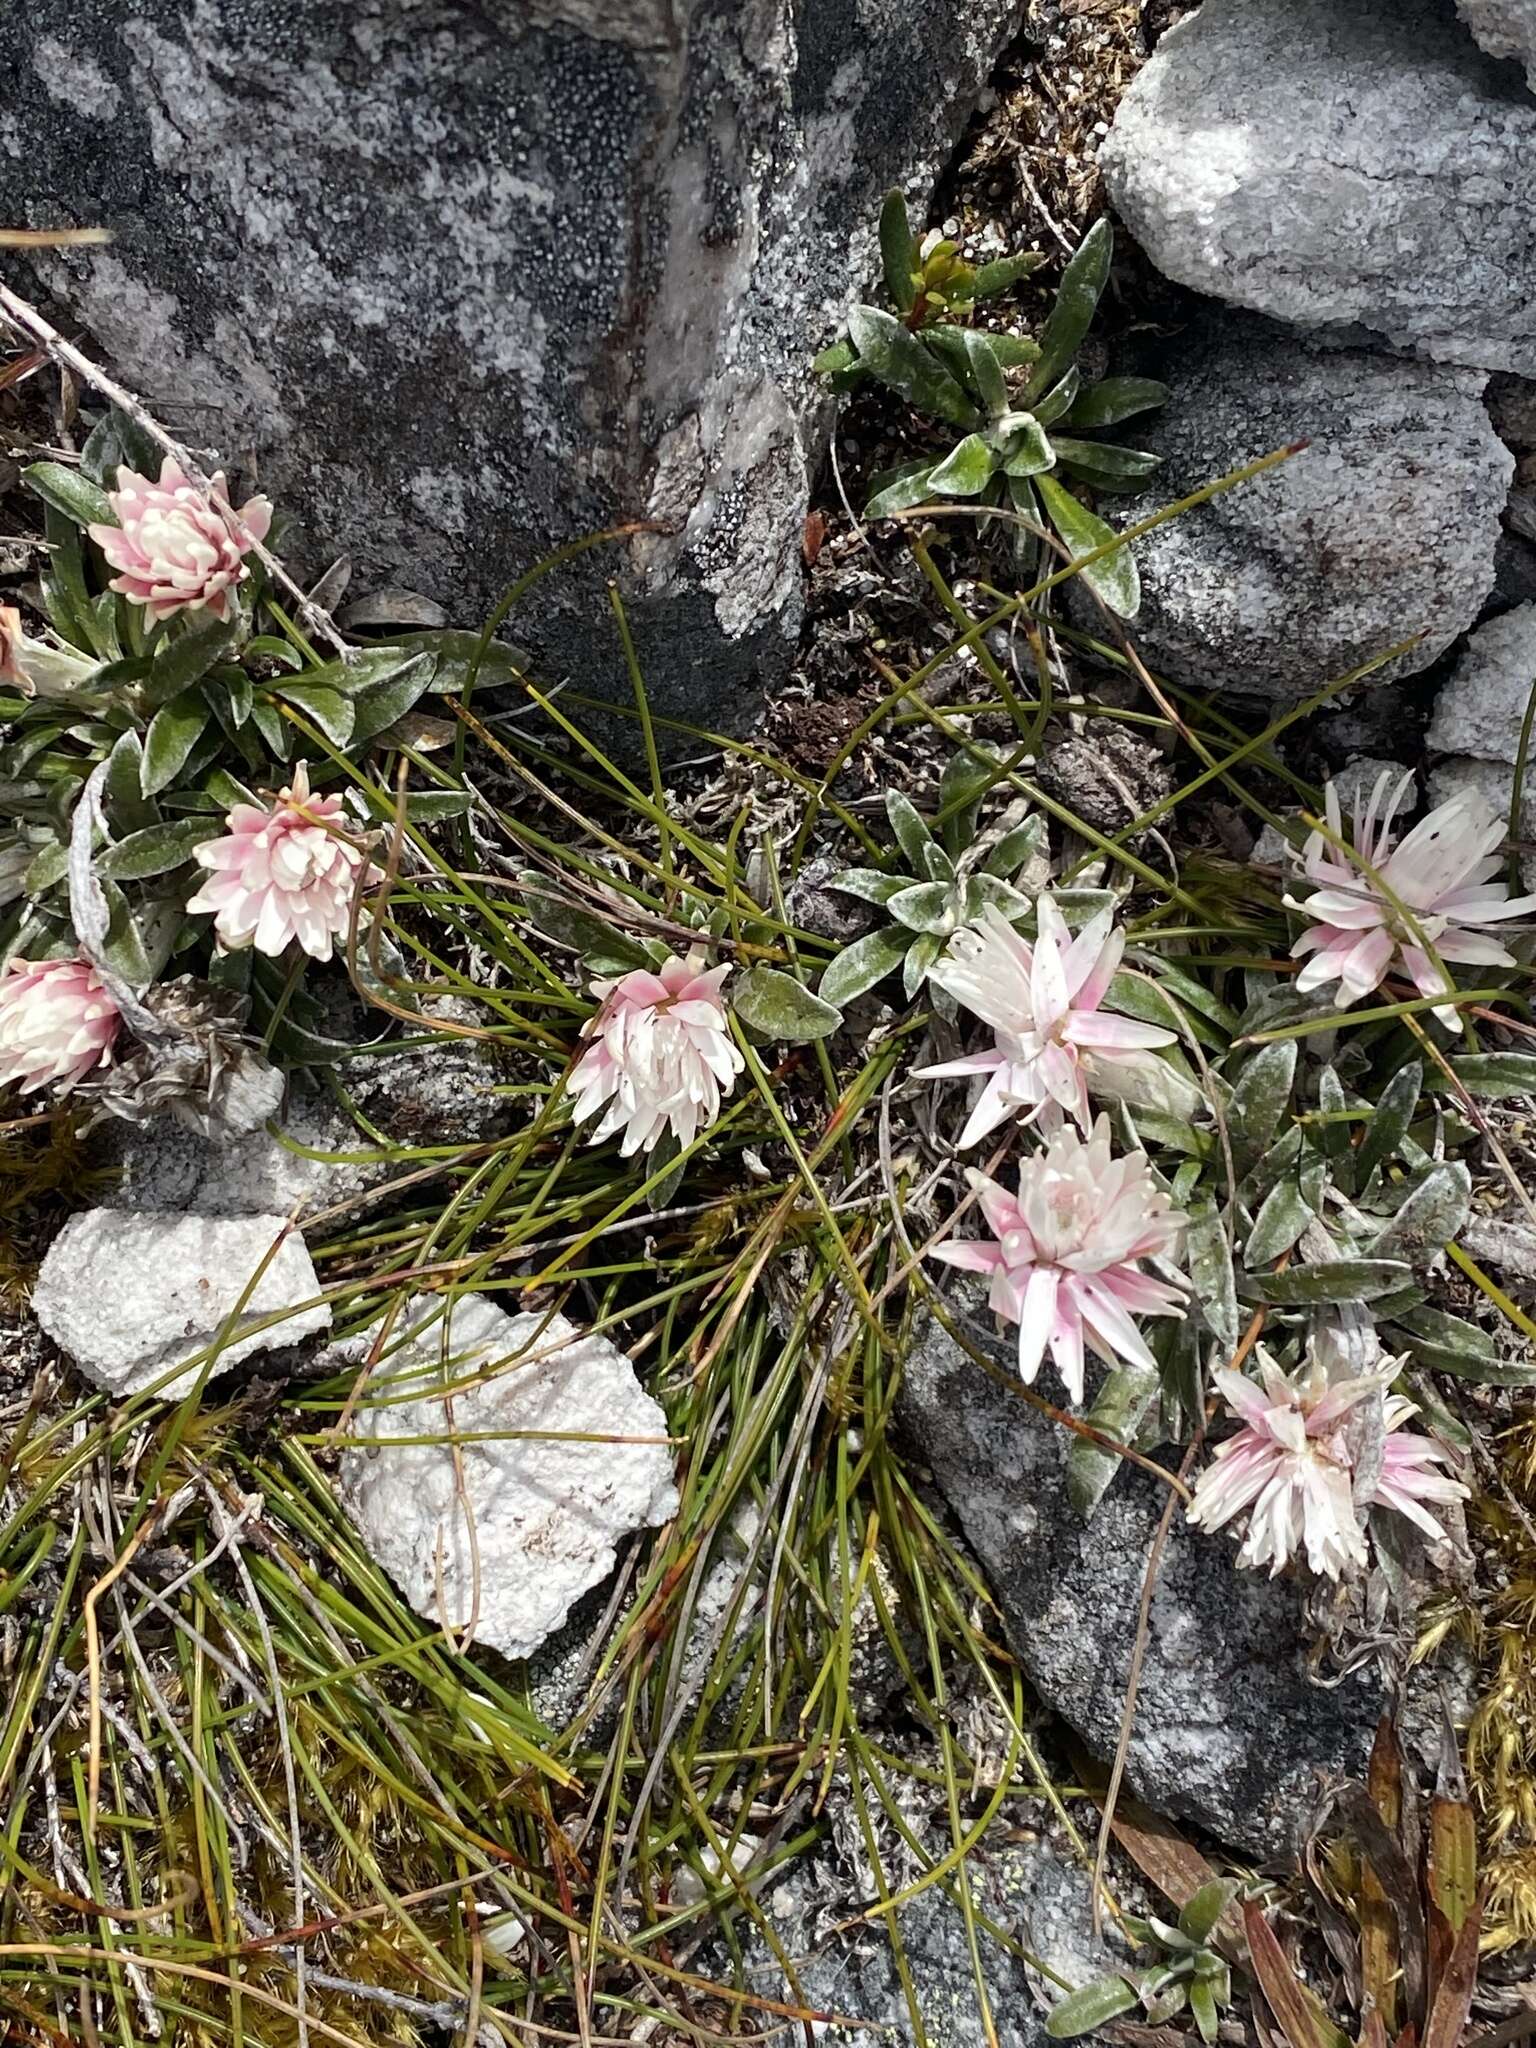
[
  {"x": 1333, "y": 162},
  {"x": 131, "y": 1297},
  {"x": 503, "y": 1545}
]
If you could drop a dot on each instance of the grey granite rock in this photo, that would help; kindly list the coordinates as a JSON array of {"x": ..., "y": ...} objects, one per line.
[
  {"x": 1511, "y": 403},
  {"x": 1494, "y": 782},
  {"x": 441, "y": 1094},
  {"x": 503, "y": 1542},
  {"x": 132, "y": 1297},
  {"x": 1229, "y": 1730},
  {"x": 1021, "y": 1877},
  {"x": 1514, "y": 572},
  {"x": 1334, "y": 162},
  {"x": 1383, "y": 527},
  {"x": 1482, "y": 707},
  {"x": 471, "y": 281},
  {"x": 1505, "y": 28}
]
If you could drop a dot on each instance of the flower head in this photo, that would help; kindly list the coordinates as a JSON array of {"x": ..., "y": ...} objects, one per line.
[
  {"x": 33, "y": 666},
  {"x": 1441, "y": 873},
  {"x": 1292, "y": 1467},
  {"x": 1042, "y": 1002},
  {"x": 1065, "y": 1263},
  {"x": 281, "y": 873},
  {"x": 57, "y": 1023},
  {"x": 177, "y": 548},
  {"x": 661, "y": 1054},
  {"x": 1409, "y": 1476}
]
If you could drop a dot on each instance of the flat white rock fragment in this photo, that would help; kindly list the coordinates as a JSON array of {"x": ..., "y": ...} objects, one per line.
[
  {"x": 131, "y": 1297},
  {"x": 543, "y": 1515}
]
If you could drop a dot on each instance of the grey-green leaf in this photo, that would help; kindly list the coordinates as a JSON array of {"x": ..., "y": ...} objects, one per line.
[
  {"x": 374, "y": 710},
  {"x": 1496, "y": 1075},
  {"x": 907, "y": 486},
  {"x": 869, "y": 884},
  {"x": 1429, "y": 1217},
  {"x": 173, "y": 732},
  {"x": 1095, "y": 2005},
  {"x": 1118, "y": 1410},
  {"x": 1056, "y": 404},
  {"x": 912, "y": 833},
  {"x": 1446, "y": 1343},
  {"x": 921, "y": 955},
  {"x": 863, "y": 965},
  {"x": 1023, "y": 844},
  {"x": 1114, "y": 399},
  {"x": 964, "y": 782},
  {"x": 1334, "y": 1281},
  {"x": 1077, "y": 298},
  {"x": 329, "y": 709},
  {"x": 1204, "y": 1909},
  {"x": 186, "y": 659},
  {"x": 70, "y": 493},
  {"x": 965, "y": 471},
  {"x": 156, "y": 850},
  {"x": 1210, "y": 1269},
  {"x": 901, "y": 363},
  {"x": 1104, "y": 458},
  {"x": 1003, "y": 271},
  {"x": 1113, "y": 579},
  {"x": 1285, "y": 1213},
  {"x": 1389, "y": 1126},
  {"x": 986, "y": 371},
  {"x": 925, "y": 907},
  {"x": 1259, "y": 1102},
  {"x": 777, "y": 1006},
  {"x": 898, "y": 253},
  {"x": 1029, "y": 451}
]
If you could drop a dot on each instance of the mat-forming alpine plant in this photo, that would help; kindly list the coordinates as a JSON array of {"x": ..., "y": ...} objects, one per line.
[
  {"x": 1292, "y": 1467},
  {"x": 1433, "y": 890},
  {"x": 660, "y": 1055},
  {"x": 1042, "y": 1002},
  {"x": 1066, "y": 1251},
  {"x": 175, "y": 547},
  {"x": 57, "y": 1023},
  {"x": 281, "y": 872}
]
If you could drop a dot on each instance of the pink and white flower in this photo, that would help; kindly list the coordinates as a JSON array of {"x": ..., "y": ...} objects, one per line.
[
  {"x": 1409, "y": 1476},
  {"x": 1442, "y": 873},
  {"x": 37, "y": 666},
  {"x": 1291, "y": 1468},
  {"x": 281, "y": 873},
  {"x": 57, "y": 1023},
  {"x": 176, "y": 547},
  {"x": 1065, "y": 1260},
  {"x": 1042, "y": 1002},
  {"x": 661, "y": 1055}
]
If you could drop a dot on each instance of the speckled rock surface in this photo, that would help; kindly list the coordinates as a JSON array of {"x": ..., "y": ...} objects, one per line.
[
  {"x": 1494, "y": 782},
  {"x": 1482, "y": 707},
  {"x": 1336, "y": 161},
  {"x": 1021, "y": 1877},
  {"x": 130, "y": 1297},
  {"x": 505, "y": 1543},
  {"x": 440, "y": 1094},
  {"x": 472, "y": 281},
  {"x": 1229, "y": 1731},
  {"x": 1505, "y": 28},
  {"x": 1478, "y": 716},
  {"x": 1383, "y": 527}
]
